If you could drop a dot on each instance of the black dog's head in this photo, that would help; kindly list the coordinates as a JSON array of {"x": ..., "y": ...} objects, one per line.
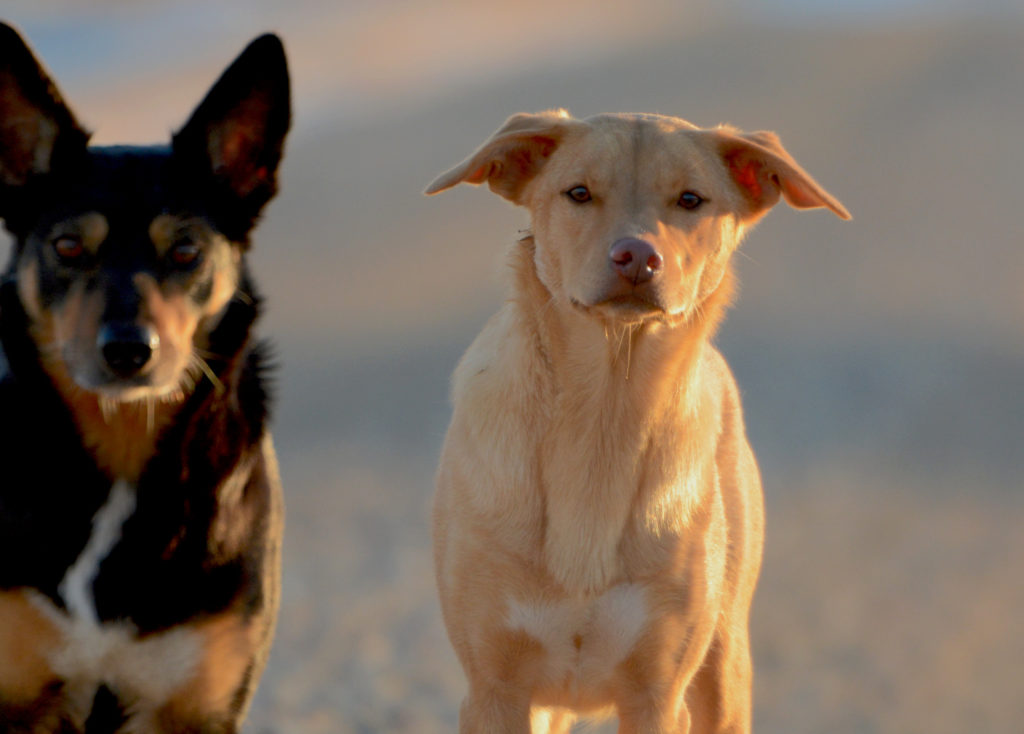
[{"x": 125, "y": 258}]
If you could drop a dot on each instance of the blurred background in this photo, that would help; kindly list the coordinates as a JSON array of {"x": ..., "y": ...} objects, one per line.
[{"x": 881, "y": 361}]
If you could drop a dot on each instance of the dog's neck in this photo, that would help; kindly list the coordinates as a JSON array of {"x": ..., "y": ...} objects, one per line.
[
  {"x": 613, "y": 392},
  {"x": 121, "y": 435}
]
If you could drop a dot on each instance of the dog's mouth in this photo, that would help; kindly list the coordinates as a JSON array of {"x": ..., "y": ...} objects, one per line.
[
  {"x": 626, "y": 308},
  {"x": 162, "y": 380},
  {"x": 139, "y": 388},
  {"x": 136, "y": 390}
]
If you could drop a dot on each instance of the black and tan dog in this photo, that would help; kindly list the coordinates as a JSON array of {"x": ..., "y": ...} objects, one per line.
[{"x": 140, "y": 508}]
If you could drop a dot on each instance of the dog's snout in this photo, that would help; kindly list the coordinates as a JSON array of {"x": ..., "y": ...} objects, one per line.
[
  {"x": 126, "y": 347},
  {"x": 635, "y": 260}
]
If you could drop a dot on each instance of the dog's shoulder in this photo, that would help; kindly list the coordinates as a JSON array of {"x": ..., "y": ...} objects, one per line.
[
  {"x": 717, "y": 370},
  {"x": 721, "y": 388},
  {"x": 500, "y": 349},
  {"x": 732, "y": 446}
]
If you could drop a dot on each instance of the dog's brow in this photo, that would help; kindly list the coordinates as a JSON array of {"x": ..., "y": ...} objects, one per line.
[
  {"x": 91, "y": 227},
  {"x": 165, "y": 229}
]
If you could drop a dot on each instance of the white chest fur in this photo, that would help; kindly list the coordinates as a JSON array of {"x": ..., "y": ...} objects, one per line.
[
  {"x": 584, "y": 638},
  {"x": 91, "y": 652},
  {"x": 76, "y": 586}
]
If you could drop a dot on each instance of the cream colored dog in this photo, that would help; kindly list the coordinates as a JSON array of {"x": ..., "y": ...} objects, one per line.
[{"x": 598, "y": 521}]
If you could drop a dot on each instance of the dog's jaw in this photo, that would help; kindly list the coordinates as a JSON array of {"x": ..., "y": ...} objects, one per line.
[{"x": 625, "y": 312}]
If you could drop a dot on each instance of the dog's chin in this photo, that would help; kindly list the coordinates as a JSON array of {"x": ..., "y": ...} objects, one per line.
[
  {"x": 137, "y": 389},
  {"x": 141, "y": 394},
  {"x": 626, "y": 309}
]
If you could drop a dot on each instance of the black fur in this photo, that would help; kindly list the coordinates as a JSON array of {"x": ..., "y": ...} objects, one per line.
[{"x": 107, "y": 714}]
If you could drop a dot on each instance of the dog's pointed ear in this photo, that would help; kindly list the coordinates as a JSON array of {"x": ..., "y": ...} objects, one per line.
[
  {"x": 236, "y": 134},
  {"x": 763, "y": 170},
  {"x": 36, "y": 126},
  {"x": 512, "y": 156}
]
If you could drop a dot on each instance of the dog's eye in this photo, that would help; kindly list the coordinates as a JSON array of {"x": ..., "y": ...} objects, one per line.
[
  {"x": 69, "y": 248},
  {"x": 184, "y": 253},
  {"x": 579, "y": 194},
  {"x": 690, "y": 200}
]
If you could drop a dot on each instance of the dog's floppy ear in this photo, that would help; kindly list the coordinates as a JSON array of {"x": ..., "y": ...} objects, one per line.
[
  {"x": 512, "y": 156},
  {"x": 36, "y": 126},
  {"x": 236, "y": 134},
  {"x": 762, "y": 170}
]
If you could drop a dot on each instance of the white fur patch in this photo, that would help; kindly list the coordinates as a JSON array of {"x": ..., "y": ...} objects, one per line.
[
  {"x": 543, "y": 621},
  {"x": 618, "y": 619},
  {"x": 76, "y": 586},
  {"x": 584, "y": 637},
  {"x": 152, "y": 667}
]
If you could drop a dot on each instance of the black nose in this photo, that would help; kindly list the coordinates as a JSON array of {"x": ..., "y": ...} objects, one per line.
[
  {"x": 127, "y": 347},
  {"x": 635, "y": 260}
]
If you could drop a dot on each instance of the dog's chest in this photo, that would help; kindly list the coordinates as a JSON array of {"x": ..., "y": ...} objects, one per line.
[
  {"x": 76, "y": 588},
  {"x": 86, "y": 654},
  {"x": 584, "y": 638},
  {"x": 91, "y": 649},
  {"x": 74, "y": 645}
]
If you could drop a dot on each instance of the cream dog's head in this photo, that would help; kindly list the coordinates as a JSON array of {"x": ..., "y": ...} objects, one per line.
[{"x": 635, "y": 216}]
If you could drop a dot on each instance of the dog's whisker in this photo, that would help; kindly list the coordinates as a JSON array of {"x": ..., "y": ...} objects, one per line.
[
  {"x": 108, "y": 407},
  {"x": 618, "y": 345},
  {"x": 747, "y": 255},
  {"x": 190, "y": 375},
  {"x": 150, "y": 415},
  {"x": 208, "y": 371},
  {"x": 549, "y": 304},
  {"x": 629, "y": 349}
]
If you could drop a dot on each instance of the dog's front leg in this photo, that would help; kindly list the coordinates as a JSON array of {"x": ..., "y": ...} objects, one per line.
[
  {"x": 648, "y": 706},
  {"x": 502, "y": 677},
  {"x": 653, "y": 682},
  {"x": 494, "y": 712},
  {"x": 654, "y": 720}
]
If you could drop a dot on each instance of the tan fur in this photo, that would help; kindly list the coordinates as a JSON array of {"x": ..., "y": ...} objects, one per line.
[
  {"x": 598, "y": 520},
  {"x": 26, "y": 637},
  {"x": 228, "y": 644},
  {"x": 121, "y": 435}
]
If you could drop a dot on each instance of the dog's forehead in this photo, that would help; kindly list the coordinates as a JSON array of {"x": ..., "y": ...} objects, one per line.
[
  {"x": 129, "y": 187},
  {"x": 631, "y": 121},
  {"x": 652, "y": 146},
  {"x": 121, "y": 178},
  {"x": 121, "y": 184},
  {"x": 637, "y": 134}
]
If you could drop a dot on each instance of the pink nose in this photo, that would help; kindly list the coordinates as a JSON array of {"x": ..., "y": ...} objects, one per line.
[{"x": 635, "y": 260}]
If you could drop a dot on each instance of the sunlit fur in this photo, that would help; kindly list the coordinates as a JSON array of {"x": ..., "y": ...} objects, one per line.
[{"x": 598, "y": 518}]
